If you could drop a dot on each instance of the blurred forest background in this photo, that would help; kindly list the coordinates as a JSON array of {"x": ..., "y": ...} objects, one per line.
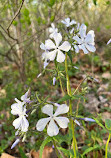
[{"x": 20, "y": 54}]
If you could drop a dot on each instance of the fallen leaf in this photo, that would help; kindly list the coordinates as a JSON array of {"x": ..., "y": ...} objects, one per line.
[
  {"x": 48, "y": 152},
  {"x": 106, "y": 75},
  {"x": 4, "y": 155}
]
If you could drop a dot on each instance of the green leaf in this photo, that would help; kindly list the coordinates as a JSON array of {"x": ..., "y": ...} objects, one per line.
[
  {"x": 95, "y": 2},
  {"x": 97, "y": 121},
  {"x": 91, "y": 149},
  {"x": 51, "y": 3},
  {"x": 65, "y": 98},
  {"x": 108, "y": 2},
  {"x": 108, "y": 124},
  {"x": 48, "y": 139},
  {"x": 26, "y": 12},
  {"x": 22, "y": 154}
]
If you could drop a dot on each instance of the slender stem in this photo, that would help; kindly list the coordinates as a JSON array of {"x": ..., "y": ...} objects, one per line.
[
  {"x": 57, "y": 152},
  {"x": 106, "y": 150},
  {"x": 79, "y": 85},
  {"x": 70, "y": 107},
  {"x": 63, "y": 93}
]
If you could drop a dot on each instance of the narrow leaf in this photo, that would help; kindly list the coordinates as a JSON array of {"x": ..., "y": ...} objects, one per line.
[
  {"x": 65, "y": 98},
  {"x": 108, "y": 124},
  {"x": 47, "y": 140},
  {"x": 91, "y": 149}
]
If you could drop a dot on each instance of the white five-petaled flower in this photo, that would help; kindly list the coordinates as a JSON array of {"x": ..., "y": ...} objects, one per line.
[
  {"x": 19, "y": 109},
  {"x": 55, "y": 49},
  {"x": 85, "y": 42},
  {"x": 52, "y": 128},
  {"x": 53, "y": 30},
  {"x": 67, "y": 22}
]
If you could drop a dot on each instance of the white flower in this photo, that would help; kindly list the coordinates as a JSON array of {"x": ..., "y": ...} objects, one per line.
[
  {"x": 52, "y": 30},
  {"x": 109, "y": 42},
  {"x": 21, "y": 123},
  {"x": 25, "y": 98},
  {"x": 67, "y": 22},
  {"x": 56, "y": 49},
  {"x": 85, "y": 42},
  {"x": 52, "y": 128}
]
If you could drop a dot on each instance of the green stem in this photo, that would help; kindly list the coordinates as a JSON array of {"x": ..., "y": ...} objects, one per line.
[
  {"x": 63, "y": 93},
  {"x": 57, "y": 152},
  {"x": 70, "y": 107},
  {"x": 106, "y": 150}
]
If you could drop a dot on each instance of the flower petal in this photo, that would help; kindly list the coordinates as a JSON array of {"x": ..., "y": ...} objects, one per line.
[
  {"x": 48, "y": 109},
  {"x": 60, "y": 56},
  {"x": 83, "y": 31},
  {"x": 58, "y": 38},
  {"x": 41, "y": 124},
  {"x": 51, "y": 55},
  {"x": 45, "y": 64},
  {"x": 42, "y": 46},
  {"x": 76, "y": 38},
  {"x": 24, "y": 124},
  {"x": 62, "y": 109},
  {"x": 62, "y": 121},
  {"x": 65, "y": 46},
  {"x": 90, "y": 48},
  {"x": 76, "y": 48},
  {"x": 89, "y": 39},
  {"x": 17, "y": 108},
  {"x": 52, "y": 129},
  {"x": 83, "y": 48},
  {"x": 17, "y": 122},
  {"x": 49, "y": 44}
]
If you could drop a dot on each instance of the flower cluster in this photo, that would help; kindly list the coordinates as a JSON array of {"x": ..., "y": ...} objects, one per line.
[
  {"x": 81, "y": 41},
  {"x": 54, "y": 50},
  {"x": 19, "y": 109}
]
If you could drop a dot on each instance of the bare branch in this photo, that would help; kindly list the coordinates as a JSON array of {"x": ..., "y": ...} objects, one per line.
[{"x": 16, "y": 14}]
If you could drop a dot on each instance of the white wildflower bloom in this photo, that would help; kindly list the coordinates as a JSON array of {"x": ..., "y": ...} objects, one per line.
[
  {"x": 56, "y": 49},
  {"x": 15, "y": 143},
  {"x": 67, "y": 22},
  {"x": 25, "y": 98},
  {"x": 21, "y": 123},
  {"x": 109, "y": 42},
  {"x": 53, "y": 30},
  {"x": 52, "y": 128},
  {"x": 54, "y": 81},
  {"x": 85, "y": 42}
]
